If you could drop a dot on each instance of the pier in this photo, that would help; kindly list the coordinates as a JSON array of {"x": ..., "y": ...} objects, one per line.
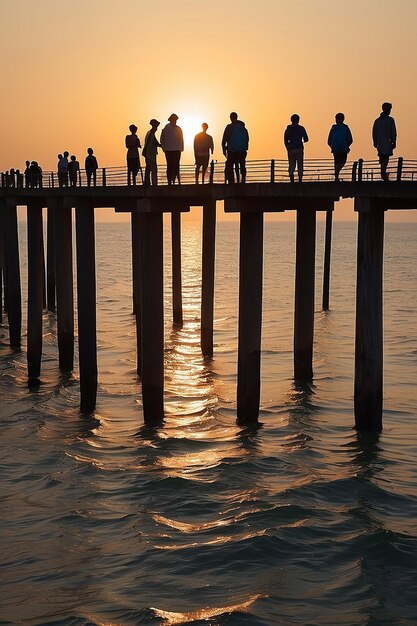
[{"x": 267, "y": 190}]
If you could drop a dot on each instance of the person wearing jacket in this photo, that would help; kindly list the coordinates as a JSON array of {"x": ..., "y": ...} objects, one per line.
[
  {"x": 172, "y": 143},
  {"x": 235, "y": 144},
  {"x": 340, "y": 139},
  {"x": 295, "y": 136},
  {"x": 384, "y": 136}
]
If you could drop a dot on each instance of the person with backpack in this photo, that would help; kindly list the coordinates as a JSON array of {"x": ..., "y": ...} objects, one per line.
[
  {"x": 235, "y": 144},
  {"x": 340, "y": 139},
  {"x": 150, "y": 152},
  {"x": 295, "y": 136}
]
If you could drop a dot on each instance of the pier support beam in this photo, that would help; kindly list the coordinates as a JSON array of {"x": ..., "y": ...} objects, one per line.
[
  {"x": 64, "y": 285},
  {"x": 152, "y": 318},
  {"x": 50, "y": 260},
  {"x": 304, "y": 294},
  {"x": 250, "y": 316},
  {"x": 2, "y": 263},
  {"x": 327, "y": 256},
  {"x": 14, "y": 295},
  {"x": 35, "y": 291},
  {"x": 136, "y": 284},
  {"x": 207, "y": 277},
  {"x": 369, "y": 322},
  {"x": 86, "y": 303},
  {"x": 176, "y": 268}
]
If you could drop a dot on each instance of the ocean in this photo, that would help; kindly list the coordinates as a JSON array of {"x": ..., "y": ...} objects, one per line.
[{"x": 302, "y": 520}]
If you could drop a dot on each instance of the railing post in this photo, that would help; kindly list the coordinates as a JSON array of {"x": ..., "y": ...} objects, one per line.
[
  {"x": 399, "y": 168},
  {"x": 360, "y": 170},
  {"x": 52, "y": 180},
  {"x": 354, "y": 171},
  {"x": 104, "y": 176},
  {"x": 272, "y": 170},
  {"x": 79, "y": 178},
  {"x": 211, "y": 172}
]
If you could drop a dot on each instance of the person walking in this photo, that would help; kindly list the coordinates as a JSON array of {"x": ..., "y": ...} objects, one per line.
[
  {"x": 172, "y": 142},
  {"x": 295, "y": 136},
  {"x": 150, "y": 152},
  {"x": 91, "y": 167},
  {"x": 203, "y": 145},
  {"x": 340, "y": 139},
  {"x": 73, "y": 169},
  {"x": 235, "y": 144},
  {"x": 384, "y": 136},
  {"x": 132, "y": 143}
]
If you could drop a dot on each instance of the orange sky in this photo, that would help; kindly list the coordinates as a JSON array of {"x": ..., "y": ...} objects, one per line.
[{"x": 77, "y": 74}]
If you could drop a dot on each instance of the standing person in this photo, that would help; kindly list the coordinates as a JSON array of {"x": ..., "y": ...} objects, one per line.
[
  {"x": 203, "y": 145},
  {"x": 340, "y": 139},
  {"x": 35, "y": 174},
  {"x": 132, "y": 143},
  {"x": 384, "y": 135},
  {"x": 91, "y": 167},
  {"x": 73, "y": 169},
  {"x": 26, "y": 174},
  {"x": 12, "y": 177},
  {"x": 63, "y": 169},
  {"x": 172, "y": 143},
  {"x": 295, "y": 136},
  {"x": 150, "y": 152},
  {"x": 235, "y": 144}
]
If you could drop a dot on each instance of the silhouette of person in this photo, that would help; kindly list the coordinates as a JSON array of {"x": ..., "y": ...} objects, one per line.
[
  {"x": 19, "y": 179},
  {"x": 132, "y": 143},
  {"x": 384, "y": 135},
  {"x": 150, "y": 152},
  {"x": 235, "y": 144},
  {"x": 26, "y": 174},
  {"x": 295, "y": 136},
  {"x": 340, "y": 139},
  {"x": 12, "y": 177},
  {"x": 172, "y": 143},
  {"x": 73, "y": 169},
  {"x": 35, "y": 175},
  {"x": 91, "y": 167},
  {"x": 203, "y": 145},
  {"x": 63, "y": 169}
]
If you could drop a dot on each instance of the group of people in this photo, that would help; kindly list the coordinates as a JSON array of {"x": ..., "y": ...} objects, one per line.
[
  {"x": 235, "y": 144},
  {"x": 69, "y": 170}
]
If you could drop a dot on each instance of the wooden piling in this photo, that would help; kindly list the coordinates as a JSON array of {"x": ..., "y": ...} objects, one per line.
[
  {"x": 250, "y": 316},
  {"x": 86, "y": 303},
  {"x": 152, "y": 318},
  {"x": 35, "y": 293},
  {"x": 43, "y": 275},
  {"x": 176, "y": 268},
  {"x": 304, "y": 294},
  {"x": 2, "y": 264},
  {"x": 207, "y": 277},
  {"x": 136, "y": 286},
  {"x": 327, "y": 256},
  {"x": 64, "y": 285},
  {"x": 14, "y": 295},
  {"x": 369, "y": 321},
  {"x": 50, "y": 260}
]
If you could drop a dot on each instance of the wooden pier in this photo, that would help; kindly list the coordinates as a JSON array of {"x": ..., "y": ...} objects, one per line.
[{"x": 147, "y": 206}]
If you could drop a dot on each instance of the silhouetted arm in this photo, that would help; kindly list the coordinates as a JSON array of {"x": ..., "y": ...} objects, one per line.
[
  {"x": 305, "y": 136},
  {"x": 195, "y": 147},
  {"x": 330, "y": 137},
  {"x": 349, "y": 137},
  {"x": 286, "y": 138},
  {"x": 394, "y": 134},
  {"x": 374, "y": 134},
  {"x": 247, "y": 139},
  {"x": 163, "y": 139},
  {"x": 181, "y": 140},
  {"x": 96, "y": 163},
  {"x": 225, "y": 139},
  {"x": 212, "y": 145}
]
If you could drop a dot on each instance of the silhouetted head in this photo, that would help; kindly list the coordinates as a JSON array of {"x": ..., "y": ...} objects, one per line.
[
  {"x": 66, "y": 154},
  {"x": 173, "y": 118},
  {"x": 59, "y": 156},
  {"x": 90, "y": 151},
  {"x": 386, "y": 107},
  {"x": 17, "y": 171},
  {"x": 340, "y": 118},
  {"x": 27, "y": 163},
  {"x": 233, "y": 117},
  {"x": 204, "y": 126},
  {"x": 133, "y": 129},
  {"x": 295, "y": 118},
  {"x": 73, "y": 157},
  {"x": 154, "y": 123}
]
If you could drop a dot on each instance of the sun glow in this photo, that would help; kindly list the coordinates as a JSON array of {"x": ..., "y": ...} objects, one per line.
[{"x": 191, "y": 125}]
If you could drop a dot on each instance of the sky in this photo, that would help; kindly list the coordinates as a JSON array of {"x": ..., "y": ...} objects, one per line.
[{"x": 76, "y": 74}]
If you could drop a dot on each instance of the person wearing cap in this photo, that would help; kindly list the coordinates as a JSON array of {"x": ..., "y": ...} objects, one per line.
[
  {"x": 203, "y": 145},
  {"x": 172, "y": 143},
  {"x": 150, "y": 152},
  {"x": 132, "y": 143}
]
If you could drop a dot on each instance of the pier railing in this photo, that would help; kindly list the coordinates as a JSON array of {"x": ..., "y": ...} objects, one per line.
[{"x": 259, "y": 171}]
